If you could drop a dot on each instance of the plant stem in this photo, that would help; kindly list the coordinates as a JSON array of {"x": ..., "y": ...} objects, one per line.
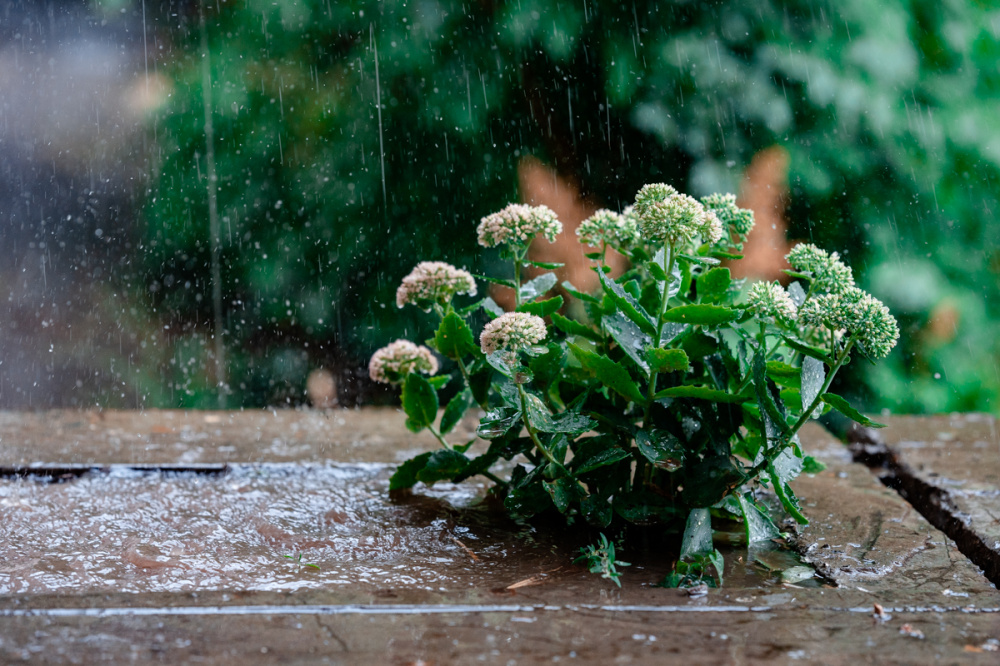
[
  {"x": 668, "y": 269},
  {"x": 517, "y": 278},
  {"x": 439, "y": 437},
  {"x": 769, "y": 456}
]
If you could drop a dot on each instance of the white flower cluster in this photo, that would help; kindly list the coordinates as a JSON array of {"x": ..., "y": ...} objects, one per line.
[
  {"x": 859, "y": 313},
  {"x": 667, "y": 215},
  {"x": 517, "y": 224},
  {"x": 736, "y": 219},
  {"x": 769, "y": 299},
  {"x": 827, "y": 272},
  {"x": 433, "y": 282},
  {"x": 608, "y": 227},
  {"x": 512, "y": 331},
  {"x": 391, "y": 364}
]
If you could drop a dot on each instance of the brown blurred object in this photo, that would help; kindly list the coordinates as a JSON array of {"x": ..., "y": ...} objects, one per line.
[
  {"x": 764, "y": 190},
  {"x": 321, "y": 388},
  {"x": 539, "y": 185},
  {"x": 942, "y": 326}
]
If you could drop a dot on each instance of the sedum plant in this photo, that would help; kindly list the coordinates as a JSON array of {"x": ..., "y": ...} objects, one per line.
[{"x": 677, "y": 398}]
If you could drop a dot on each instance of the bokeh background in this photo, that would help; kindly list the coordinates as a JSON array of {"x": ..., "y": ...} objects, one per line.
[{"x": 209, "y": 204}]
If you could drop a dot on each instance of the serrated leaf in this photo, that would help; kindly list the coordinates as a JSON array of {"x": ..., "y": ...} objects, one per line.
[
  {"x": 454, "y": 338},
  {"x": 542, "y": 308},
  {"x": 715, "y": 283},
  {"x": 534, "y": 288},
  {"x": 629, "y": 337},
  {"x": 845, "y": 408},
  {"x": 701, "y": 314},
  {"x": 668, "y": 360},
  {"x": 661, "y": 448},
  {"x": 405, "y": 475},
  {"x": 570, "y": 327},
  {"x": 628, "y": 305},
  {"x": 442, "y": 465},
  {"x": 455, "y": 410},
  {"x": 609, "y": 373},
  {"x": 420, "y": 402},
  {"x": 697, "y": 538},
  {"x": 701, "y": 393}
]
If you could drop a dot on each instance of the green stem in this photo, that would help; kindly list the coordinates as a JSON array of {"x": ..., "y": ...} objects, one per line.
[
  {"x": 439, "y": 437},
  {"x": 468, "y": 380},
  {"x": 773, "y": 453},
  {"x": 531, "y": 431},
  {"x": 518, "y": 258},
  {"x": 668, "y": 269}
]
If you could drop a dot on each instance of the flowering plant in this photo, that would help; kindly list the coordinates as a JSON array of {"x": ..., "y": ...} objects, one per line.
[{"x": 673, "y": 402}]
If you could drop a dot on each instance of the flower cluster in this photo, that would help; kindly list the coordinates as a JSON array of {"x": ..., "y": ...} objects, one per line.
[
  {"x": 433, "y": 282},
  {"x": 857, "y": 312},
  {"x": 828, "y": 272},
  {"x": 391, "y": 364},
  {"x": 517, "y": 224},
  {"x": 512, "y": 331},
  {"x": 610, "y": 228},
  {"x": 769, "y": 299},
  {"x": 665, "y": 214},
  {"x": 736, "y": 219}
]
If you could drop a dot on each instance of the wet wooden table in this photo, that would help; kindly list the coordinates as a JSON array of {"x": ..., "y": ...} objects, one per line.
[{"x": 903, "y": 537}]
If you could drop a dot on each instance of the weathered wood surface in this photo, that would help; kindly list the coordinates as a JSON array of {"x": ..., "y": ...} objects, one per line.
[{"x": 864, "y": 536}]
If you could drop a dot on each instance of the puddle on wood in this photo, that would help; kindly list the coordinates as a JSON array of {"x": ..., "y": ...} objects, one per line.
[{"x": 260, "y": 527}]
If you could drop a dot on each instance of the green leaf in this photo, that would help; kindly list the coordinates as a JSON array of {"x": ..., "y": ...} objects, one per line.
[
  {"x": 534, "y": 288},
  {"x": 439, "y": 382},
  {"x": 812, "y": 466},
  {"x": 455, "y": 410},
  {"x": 490, "y": 307},
  {"x": 701, "y": 314},
  {"x": 420, "y": 402},
  {"x": 609, "y": 373},
  {"x": 542, "y": 308},
  {"x": 710, "y": 478},
  {"x": 787, "y": 497},
  {"x": 587, "y": 460},
  {"x": 577, "y": 294},
  {"x": 628, "y": 305},
  {"x": 629, "y": 337},
  {"x": 661, "y": 448},
  {"x": 845, "y": 408},
  {"x": 499, "y": 281},
  {"x": 758, "y": 525},
  {"x": 692, "y": 259},
  {"x": 813, "y": 377},
  {"x": 564, "y": 491},
  {"x": 783, "y": 374},
  {"x": 596, "y": 510},
  {"x": 701, "y": 393},
  {"x": 497, "y": 422},
  {"x": 405, "y": 475},
  {"x": 697, "y": 538},
  {"x": 807, "y": 350},
  {"x": 668, "y": 360},
  {"x": 765, "y": 400},
  {"x": 443, "y": 465},
  {"x": 549, "y": 266},
  {"x": 714, "y": 284},
  {"x": 454, "y": 338},
  {"x": 570, "y": 327}
]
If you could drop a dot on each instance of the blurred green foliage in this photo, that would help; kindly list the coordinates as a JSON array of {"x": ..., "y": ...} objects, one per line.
[{"x": 353, "y": 139}]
